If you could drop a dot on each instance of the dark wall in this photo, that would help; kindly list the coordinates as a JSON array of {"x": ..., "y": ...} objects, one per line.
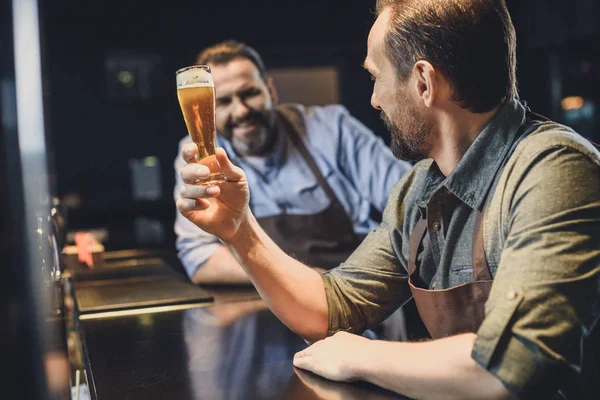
[
  {"x": 558, "y": 56},
  {"x": 94, "y": 135}
]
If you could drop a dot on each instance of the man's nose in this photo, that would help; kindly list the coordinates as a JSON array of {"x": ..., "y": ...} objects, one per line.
[
  {"x": 240, "y": 109},
  {"x": 375, "y": 102}
]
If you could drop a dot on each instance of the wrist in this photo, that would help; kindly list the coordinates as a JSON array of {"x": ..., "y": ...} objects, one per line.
[
  {"x": 244, "y": 232},
  {"x": 365, "y": 364}
]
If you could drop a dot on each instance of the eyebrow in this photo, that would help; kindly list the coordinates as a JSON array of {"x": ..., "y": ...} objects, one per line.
[
  {"x": 242, "y": 92},
  {"x": 364, "y": 65}
]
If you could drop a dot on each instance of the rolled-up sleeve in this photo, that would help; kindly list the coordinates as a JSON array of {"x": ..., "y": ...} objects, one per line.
[
  {"x": 194, "y": 246},
  {"x": 545, "y": 299},
  {"x": 372, "y": 283}
]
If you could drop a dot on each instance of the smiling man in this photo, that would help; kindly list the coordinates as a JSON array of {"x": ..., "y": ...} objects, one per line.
[
  {"x": 495, "y": 234},
  {"x": 319, "y": 179}
]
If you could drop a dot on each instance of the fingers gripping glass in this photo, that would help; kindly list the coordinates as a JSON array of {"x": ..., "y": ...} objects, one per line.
[{"x": 196, "y": 94}]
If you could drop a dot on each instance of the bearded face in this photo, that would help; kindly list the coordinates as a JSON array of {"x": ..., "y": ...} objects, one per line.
[
  {"x": 245, "y": 112},
  {"x": 253, "y": 133},
  {"x": 408, "y": 128}
]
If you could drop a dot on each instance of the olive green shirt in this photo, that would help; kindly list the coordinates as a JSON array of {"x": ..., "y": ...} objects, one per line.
[{"x": 541, "y": 233}]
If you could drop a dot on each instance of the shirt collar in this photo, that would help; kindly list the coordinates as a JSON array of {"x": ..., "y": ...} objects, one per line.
[{"x": 475, "y": 172}]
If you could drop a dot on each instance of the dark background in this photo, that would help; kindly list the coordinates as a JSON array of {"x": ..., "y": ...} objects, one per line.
[{"x": 97, "y": 124}]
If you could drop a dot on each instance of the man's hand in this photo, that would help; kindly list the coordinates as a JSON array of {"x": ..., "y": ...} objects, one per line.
[
  {"x": 338, "y": 357},
  {"x": 436, "y": 369},
  {"x": 220, "y": 210}
]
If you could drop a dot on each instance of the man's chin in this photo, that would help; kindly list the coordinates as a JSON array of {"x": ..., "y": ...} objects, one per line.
[
  {"x": 411, "y": 158},
  {"x": 405, "y": 153},
  {"x": 243, "y": 146},
  {"x": 251, "y": 144}
]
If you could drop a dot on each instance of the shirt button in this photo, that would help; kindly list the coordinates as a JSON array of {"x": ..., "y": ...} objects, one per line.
[
  {"x": 433, "y": 286},
  {"x": 512, "y": 295},
  {"x": 436, "y": 226}
]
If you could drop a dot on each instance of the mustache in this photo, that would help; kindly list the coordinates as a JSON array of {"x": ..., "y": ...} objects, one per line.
[
  {"x": 388, "y": 122},
  {"x": 250, "y": 116},
  {"x": 384, "y": 117}
]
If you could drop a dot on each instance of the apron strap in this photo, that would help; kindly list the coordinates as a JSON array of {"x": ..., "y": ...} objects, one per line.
[
  {"x": 481, "y": 270},
  {"x": 299, "y": 144},
  {"x": 416, "y": 238}
]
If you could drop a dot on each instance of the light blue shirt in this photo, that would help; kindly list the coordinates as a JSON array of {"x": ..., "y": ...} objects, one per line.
[{"x": 359, "y": 167}]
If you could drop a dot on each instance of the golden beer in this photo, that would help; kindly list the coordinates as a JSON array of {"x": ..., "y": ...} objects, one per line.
[{"x": 196, "y": 94}]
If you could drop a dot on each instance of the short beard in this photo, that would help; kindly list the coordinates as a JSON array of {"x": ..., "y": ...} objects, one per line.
[
  {"x": 263, "y": 143},
  {"x": 408, "y": 132},
  {"x": 259, "y": 147}
]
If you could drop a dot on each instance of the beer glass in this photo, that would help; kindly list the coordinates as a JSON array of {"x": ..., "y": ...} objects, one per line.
[{"x": 196, "y": 94}]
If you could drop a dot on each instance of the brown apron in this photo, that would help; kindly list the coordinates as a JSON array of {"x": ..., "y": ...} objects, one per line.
[
  {"x": 323, "y": 240},
  {"x": 459, "y": 309}
]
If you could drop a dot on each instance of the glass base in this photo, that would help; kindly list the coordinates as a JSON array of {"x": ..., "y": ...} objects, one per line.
[{"x": 212, "y": 180}]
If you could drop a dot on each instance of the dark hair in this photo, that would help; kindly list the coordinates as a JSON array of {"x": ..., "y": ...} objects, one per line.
[
  {"x": 225, "y": 52},
  {"x": 471, "y": 42}
]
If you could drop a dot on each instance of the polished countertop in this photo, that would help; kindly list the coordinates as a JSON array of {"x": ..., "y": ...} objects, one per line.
[{"x": 232, "y": 348}]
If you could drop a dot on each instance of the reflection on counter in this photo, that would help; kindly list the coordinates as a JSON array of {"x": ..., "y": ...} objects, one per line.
[
  {"x": 230, "y": 350},
  {"x": 239, "y": 351},
  {"x": 306, "y": 385}
]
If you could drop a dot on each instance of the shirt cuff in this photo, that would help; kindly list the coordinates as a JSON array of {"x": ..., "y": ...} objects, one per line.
[
  {"x": 338, "y": 312},
  {"x": 516, "y": 362},
  {"x": 194, "y": 258},
  {"x": 494, "y": 327}
]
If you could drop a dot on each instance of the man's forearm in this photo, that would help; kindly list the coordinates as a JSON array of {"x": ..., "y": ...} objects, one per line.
[
  {"x": 439, "y": 369},
  {"x": 295, "y": 293},
  {"x": 221, "y": 269}
]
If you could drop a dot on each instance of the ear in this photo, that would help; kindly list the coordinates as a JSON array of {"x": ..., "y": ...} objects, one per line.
[
  {"x": 426, "y": 84},
  {"x": 272, "y": 90}
]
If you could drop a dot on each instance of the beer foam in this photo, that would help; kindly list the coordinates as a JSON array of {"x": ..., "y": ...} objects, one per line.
[{"x": 194, "y": 77}]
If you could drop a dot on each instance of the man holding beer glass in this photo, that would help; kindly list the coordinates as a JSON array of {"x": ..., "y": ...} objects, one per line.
[
  {"x": 318, "y": 178},
  {"x": 196, "y": 94},
  {"x": 496, "y": 235}
]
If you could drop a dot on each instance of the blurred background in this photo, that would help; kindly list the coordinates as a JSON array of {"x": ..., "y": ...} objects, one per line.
[
  {"x": 103, "y": 121},
  {"x": 112, "y": 112}
]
